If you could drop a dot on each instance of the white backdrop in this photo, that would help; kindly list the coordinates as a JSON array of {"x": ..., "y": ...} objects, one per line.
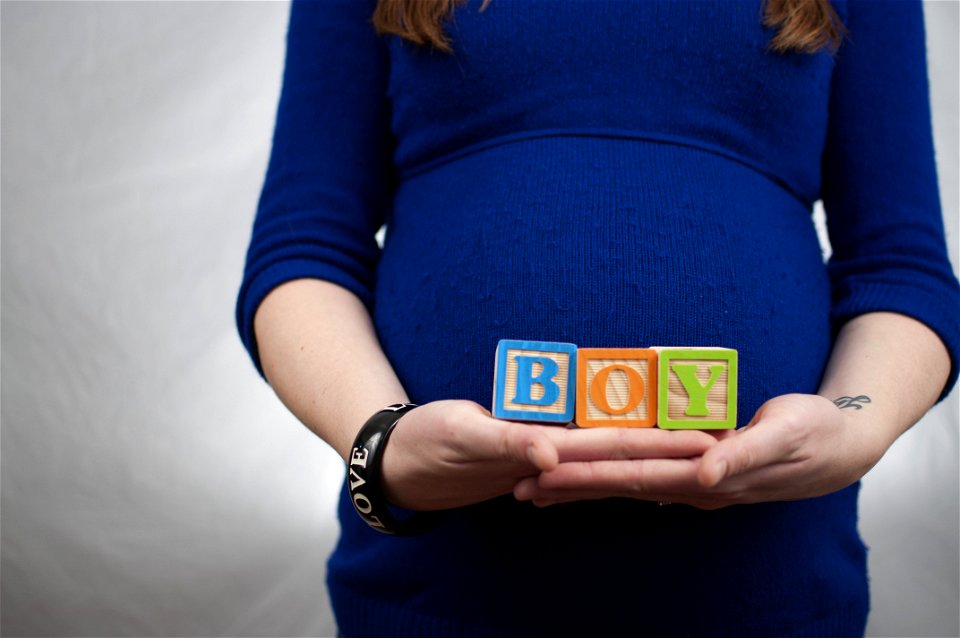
[{"x": 151, "y": 483}]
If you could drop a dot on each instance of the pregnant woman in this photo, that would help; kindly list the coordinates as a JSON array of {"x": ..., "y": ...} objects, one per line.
[{"x": 610, "y": 174}]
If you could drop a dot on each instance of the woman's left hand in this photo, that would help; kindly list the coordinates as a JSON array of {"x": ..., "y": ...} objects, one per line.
[{"x": 796, "y": 446}]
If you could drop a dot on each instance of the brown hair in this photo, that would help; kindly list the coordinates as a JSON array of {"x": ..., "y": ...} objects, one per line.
[{"x": 803, "y": 26}]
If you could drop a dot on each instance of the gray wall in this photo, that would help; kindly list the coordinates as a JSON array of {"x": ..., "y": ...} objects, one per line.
[{"x": 151, "y": 484}]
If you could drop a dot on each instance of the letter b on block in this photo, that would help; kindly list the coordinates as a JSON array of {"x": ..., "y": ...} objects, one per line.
[
  {"x": 698, "y": 388},
  {"x": 533, "y": 381},
  {"x": 616, "y": 387}
]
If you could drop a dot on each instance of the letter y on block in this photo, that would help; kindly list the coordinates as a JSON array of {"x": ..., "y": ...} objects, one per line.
[{"x": 698, "y": 388}]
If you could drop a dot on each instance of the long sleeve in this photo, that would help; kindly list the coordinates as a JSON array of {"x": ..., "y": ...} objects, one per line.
[
  {"x": 879, "y": 177},
  {"x": 329, "y": 180}
]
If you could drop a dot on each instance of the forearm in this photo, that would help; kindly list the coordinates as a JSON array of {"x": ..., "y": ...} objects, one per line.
[
  {"x": 896, "y": 362},
  {"x": 891, "y": 366},
  {"x": 322, "y": 357}
]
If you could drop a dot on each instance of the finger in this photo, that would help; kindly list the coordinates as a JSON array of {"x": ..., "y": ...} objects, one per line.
[
  {"x": 770, "y": 439},
  {"x": 526, "y": 489},
  {"x": 594, "y": 444},
  {"x": 635, "y": 477},
  {"x": 596, "y": 496},
  {"x": 758, "y": 485},
  {"x": 529, "y": 489},
  {"x": 545, "y": 498}
]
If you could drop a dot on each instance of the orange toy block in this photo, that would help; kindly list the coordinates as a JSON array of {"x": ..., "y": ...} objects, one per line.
[{"x": 616, "y": 387}]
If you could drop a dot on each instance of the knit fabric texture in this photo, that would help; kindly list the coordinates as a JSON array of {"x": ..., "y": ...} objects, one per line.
[{"x": 611, "y": 174}]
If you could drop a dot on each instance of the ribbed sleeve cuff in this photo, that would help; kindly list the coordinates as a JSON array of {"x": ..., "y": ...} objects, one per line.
[{"x": 939, "y": 311}]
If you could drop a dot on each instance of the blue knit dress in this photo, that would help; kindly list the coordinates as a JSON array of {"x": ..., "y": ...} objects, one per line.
[{"x": 609, "y": 173}]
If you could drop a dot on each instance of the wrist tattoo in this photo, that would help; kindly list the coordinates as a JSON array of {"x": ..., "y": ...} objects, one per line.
[{"x": 852, "y": 402}]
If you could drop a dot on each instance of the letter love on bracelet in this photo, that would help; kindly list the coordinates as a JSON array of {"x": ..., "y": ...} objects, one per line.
[
  {"x": 672, "y": 388},
  {"x": 364, "y": 476}
]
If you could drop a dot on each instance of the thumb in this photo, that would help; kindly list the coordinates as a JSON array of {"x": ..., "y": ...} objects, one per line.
[
  {"x": 527, "y": 444},
  {"x": 542, "y": 453},
  {"x": 514, "y": 442},
  {"x": 758, "y": 444}
]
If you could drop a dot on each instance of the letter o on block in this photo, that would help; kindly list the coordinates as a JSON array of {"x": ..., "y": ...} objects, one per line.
[
  {"x": 601, "y": 381},
  {"x": 616, "y": 387}
]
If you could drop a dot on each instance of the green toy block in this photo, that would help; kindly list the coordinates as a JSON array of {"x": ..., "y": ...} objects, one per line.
[{"x": 698, "y": 388}]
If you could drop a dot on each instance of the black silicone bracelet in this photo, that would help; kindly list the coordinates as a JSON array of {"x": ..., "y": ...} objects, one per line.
[{"x": 364, "y": 481}]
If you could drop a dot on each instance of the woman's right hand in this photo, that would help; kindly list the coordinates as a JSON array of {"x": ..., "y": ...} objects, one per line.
[{"x": 449, "y": 454}]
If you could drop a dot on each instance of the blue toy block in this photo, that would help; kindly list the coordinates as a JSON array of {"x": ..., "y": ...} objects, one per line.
[{"x": 534, "y": 381}]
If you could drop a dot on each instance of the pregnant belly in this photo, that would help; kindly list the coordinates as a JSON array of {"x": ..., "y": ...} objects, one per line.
[{"x": 602, "y": 243}]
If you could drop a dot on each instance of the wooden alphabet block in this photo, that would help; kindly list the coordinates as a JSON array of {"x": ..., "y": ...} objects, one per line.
[
  {"x": 616, "y": 387},
  {"x": 698, "y": 388},
  {"x": 533, "y": 381}
]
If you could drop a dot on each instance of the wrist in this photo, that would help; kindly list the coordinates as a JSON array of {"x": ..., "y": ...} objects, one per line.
[
  {"x": 345, "y": 422},
  {"x": 364, "y": 475},
  {"x": 869, "y": 428}
]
